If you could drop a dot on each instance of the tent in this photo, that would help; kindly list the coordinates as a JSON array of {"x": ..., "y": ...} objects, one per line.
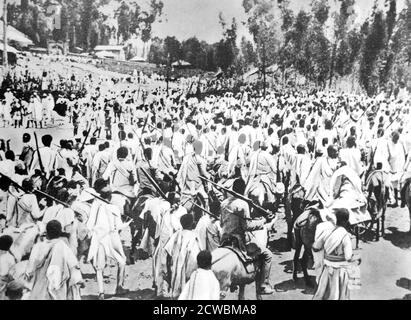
[
  {"x": 11, "y": 54},
  {"x": 14, "y": 35},
  {"x": 252, "y": 75},
  {"x": 137, "y": 59},
  {"x": 181, "y": 64},
  {"x": 105, "y": 54},
  {"x": 10, "y": 49}
]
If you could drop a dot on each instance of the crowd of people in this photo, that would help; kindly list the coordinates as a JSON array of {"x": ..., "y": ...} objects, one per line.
[{"x": 186, "y": 176}]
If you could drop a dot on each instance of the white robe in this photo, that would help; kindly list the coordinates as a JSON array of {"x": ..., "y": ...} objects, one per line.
[{"x": 203, "y": 285}]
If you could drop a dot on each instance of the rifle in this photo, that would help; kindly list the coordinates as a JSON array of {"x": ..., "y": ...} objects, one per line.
[
  {"x": 155, "y": 185},
  {"x": 393, "y": 120},
  {"x": 204, "y": 210},
  {"x": 107, "y": 202},
  {"x": 189, "y": 89},
  {"x": 84, "y": 142},
  {"x": 142, "y": 149},
  {"x": 367, "y": 173},
  {"x": 278, "y": 158},
  {"x": 145, "y": 124},
  {"x": 15, "y": 184},
  {"x": 39, "y": 155},
  {"x": 98, "y": 197},
  {"x": 239, "y": 196}
]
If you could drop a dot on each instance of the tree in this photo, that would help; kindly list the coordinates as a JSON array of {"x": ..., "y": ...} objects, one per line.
[
  {"x": 387, "y": 56},
  {"x": 157, "y": 54},
  {"x": 261, "y": 24},
  {"x": 373, "y": 45},
  {"x": 172, "y": 48},
  {"x": 248, "y": 52},
  {"x": 226, "y": 50},
  {"x": 193, "y": 52},
  {"x": 342, "y": 20},
  {"x": 124, "y": 21}
]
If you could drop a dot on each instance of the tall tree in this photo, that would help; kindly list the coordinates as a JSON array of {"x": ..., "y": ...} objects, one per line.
[
  {"x": 248, "y": 52},
  {"x": 172, "y": 48},
  {"x": 373, "y": 45}
]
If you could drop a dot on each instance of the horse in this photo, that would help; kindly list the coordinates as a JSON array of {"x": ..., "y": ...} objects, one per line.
[
  {"x": 137, "y": 224},
  {"x": 294, "y": 207},
  {"x": 408, "y": 199},
  {"x": 24, "y": 239},
  {"x": 232, "y": 271},
  {"x": 378, "y": 194},
  {"x": 304, "y": 232},
  {"x": 261, "y": 192}
]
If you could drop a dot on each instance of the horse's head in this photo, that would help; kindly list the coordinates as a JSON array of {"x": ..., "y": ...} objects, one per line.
[
  {"x": 257, "y": 194},
  {"x": 314, "y": 218},
  {"x": 377, "y": 196}
]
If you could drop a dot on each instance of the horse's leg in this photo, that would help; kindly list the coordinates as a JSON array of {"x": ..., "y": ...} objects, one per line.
[
  {"x": 257, "y": 291},
  {"x": 378, "y": 229},
  {"x": 304, "y": 266},
  {"x": 383, "y": 223},
  {"x": 288, "y": 217},
  {"x": 357, "y": 237},
  {"x": 298, "y": 246},
  {"x": 409, "y": 210},
  {"x": 133, "y": 242},
  {"x": 241, "y": 292}
]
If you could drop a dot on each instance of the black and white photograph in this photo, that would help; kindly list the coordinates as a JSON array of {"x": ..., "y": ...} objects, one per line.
[{"x": 208, "y": 150}]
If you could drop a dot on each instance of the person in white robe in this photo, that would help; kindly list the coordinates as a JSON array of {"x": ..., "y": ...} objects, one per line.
[
  {"x": 48, "y": 157},
  {"x": 338, "y": 257},
  {"x": 203, "y": 284},
  {"x": 317, "y": 185},
  {"x": 182, "y": 250},
  {"x": 300, "y": 168},
  {"x": 105, "y": 224},
  {"x": 238, "y": 155},
  {"x": 346, "y": 192},
  {"x": 53, "y": 268},
  {"x": 352, "y": 156},
  {"x": 65, "y": 216},
  {"x": 170, "y": 223},
  {"x": 397, "y": 157},
  {"x": 209, "y": 232}
]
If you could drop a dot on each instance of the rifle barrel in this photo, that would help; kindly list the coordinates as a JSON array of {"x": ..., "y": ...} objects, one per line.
[{"x": 237, "y": 195}]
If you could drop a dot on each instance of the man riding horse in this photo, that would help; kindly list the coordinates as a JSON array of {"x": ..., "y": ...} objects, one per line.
[{"x": 237, "y": 225}]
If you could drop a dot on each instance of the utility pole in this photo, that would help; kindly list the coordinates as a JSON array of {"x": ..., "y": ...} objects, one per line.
[
  {"x": 168, "y": 70},
  {"x": 264, "y": 73},
  {"x": 5, "y": 33}
]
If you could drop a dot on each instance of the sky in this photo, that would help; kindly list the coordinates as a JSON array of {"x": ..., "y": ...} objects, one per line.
[{"x": 187, "y": 18}]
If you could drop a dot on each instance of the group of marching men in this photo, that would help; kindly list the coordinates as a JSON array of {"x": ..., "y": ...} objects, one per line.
[{"x": 64, "y": 201}]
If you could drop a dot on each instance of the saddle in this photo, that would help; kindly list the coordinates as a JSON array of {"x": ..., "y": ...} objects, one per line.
[{"x": 248, "y": 256}]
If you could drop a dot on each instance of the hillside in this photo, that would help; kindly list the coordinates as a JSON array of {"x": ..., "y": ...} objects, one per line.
[{"x": 85, "y": 23}]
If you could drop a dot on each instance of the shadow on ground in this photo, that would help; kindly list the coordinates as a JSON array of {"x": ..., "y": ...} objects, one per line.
[
  {"x": 279, "y": 245},
  {"x": 143, "y": 294},
  {"x": 404, "y": 283},
  {"x": 398, "y": 238},
  {"x": 290, "y": 285}
]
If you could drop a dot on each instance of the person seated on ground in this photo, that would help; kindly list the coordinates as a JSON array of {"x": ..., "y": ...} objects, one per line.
[{"x": 203, "y": 284}]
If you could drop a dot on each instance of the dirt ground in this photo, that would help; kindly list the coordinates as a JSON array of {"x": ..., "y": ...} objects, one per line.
[{"x": 385, "y": 269}]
